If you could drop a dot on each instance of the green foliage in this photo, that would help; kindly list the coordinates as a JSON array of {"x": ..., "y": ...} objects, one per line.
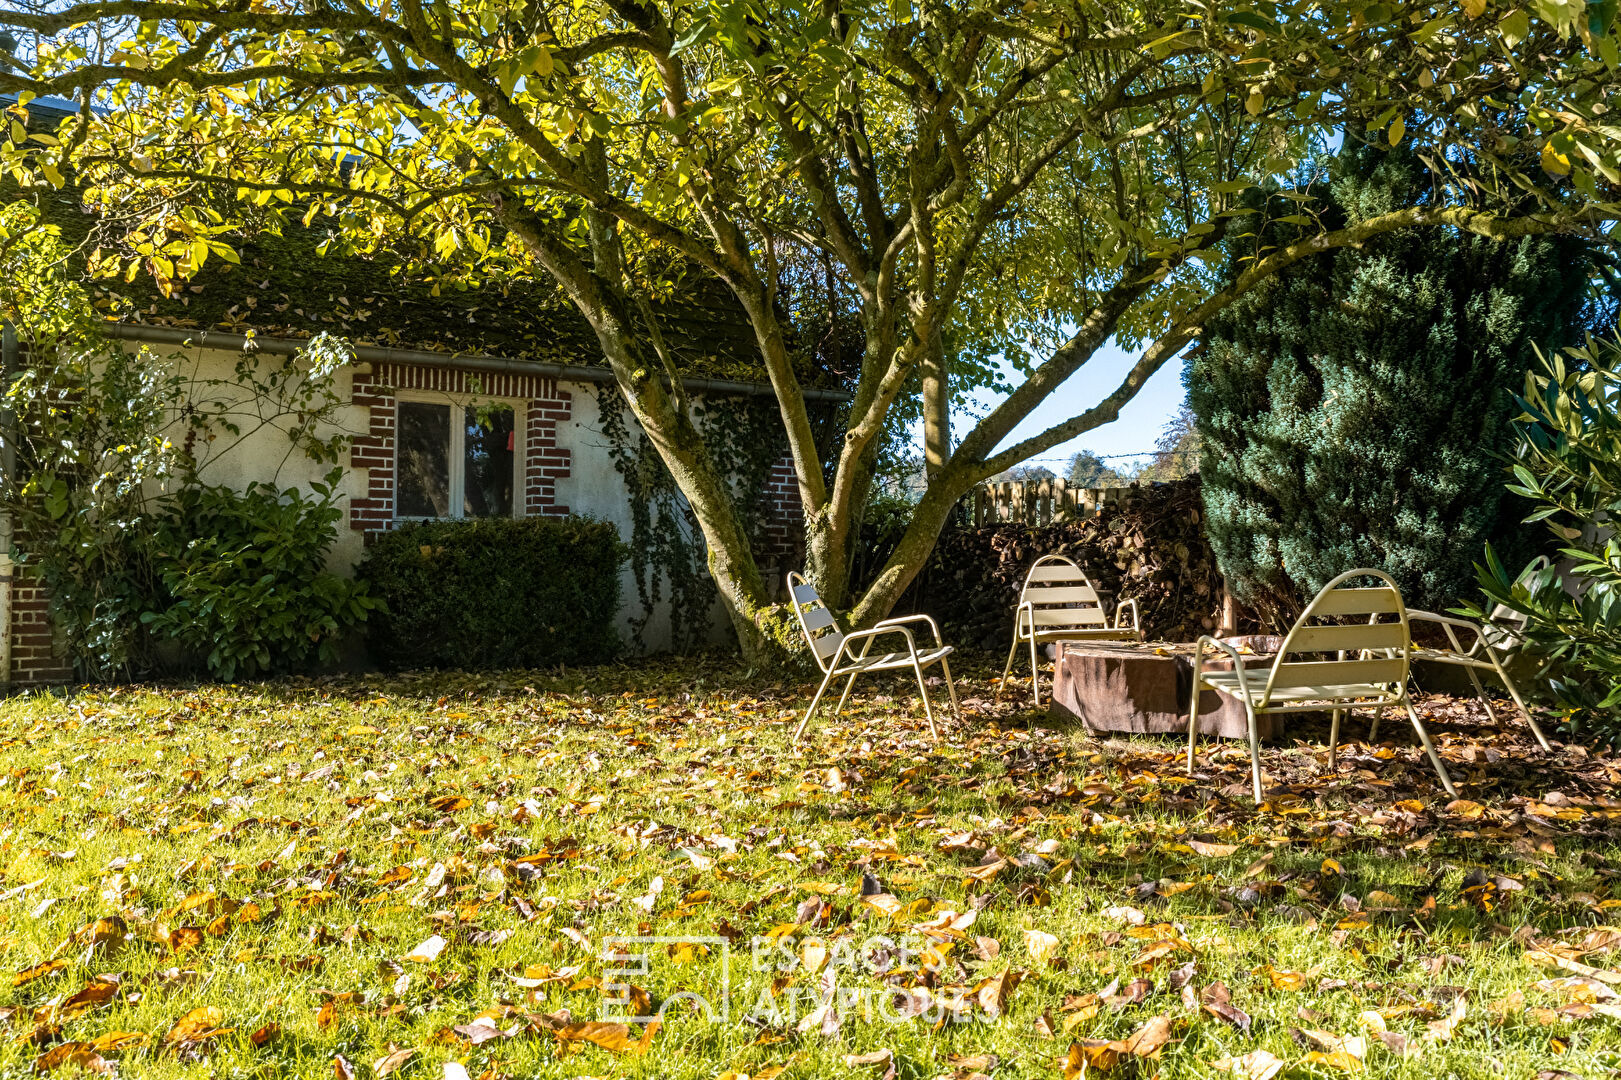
[
  {"x": 1568, "y": 463},
  {"x": 1086, "y": 469},
  {"x": 1176, "y": 452},
  {"x": 243, "y": 578},
  {"x": 495, "y": 593},
  {"x": 1351, "y": 406},
  {"x": 964, "y": 184},
  {"x": 113, "y": 451}
]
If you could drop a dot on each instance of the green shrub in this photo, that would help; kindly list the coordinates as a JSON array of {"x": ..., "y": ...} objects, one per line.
[
  {"x": 242, "y": 579},
  {"x": 1568, "y": 463},
  {"x": 1352, "y": 408},
  {"x": 496, "y": 593}
]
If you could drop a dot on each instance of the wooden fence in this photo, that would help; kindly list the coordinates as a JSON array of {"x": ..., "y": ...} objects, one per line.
[{"x": 1036, "y": 502}]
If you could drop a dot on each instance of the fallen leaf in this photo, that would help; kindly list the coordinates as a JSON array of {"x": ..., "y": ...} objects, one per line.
[
  {"x": 117, "y": 1040},
  {"x": 875, "y": 1057},
  {"x": 1146, "y": 1040},
  {"x": 1255, "y": 1065},
  {"x": 1041, "y": 945},
  {"x": 98, "y": 991},
  {"x": 1128, "y": 915},
  {"x": 38, "y": 971},
  {"x": 1442, "y": 1030},
  {"x": 1212, "y": 851},
  {"x": 1282, "y": 980},
  {"x": 1230, "y": 1013},
  {"x": 196, "y": 1025},
  {"x": 993, "y": 993},
  {"x": 392, "y": 1061},
  {"x": 428, "y": 951},
  {"x": 614, "y": 1037},
  {"x": 80, "y": 1055}
]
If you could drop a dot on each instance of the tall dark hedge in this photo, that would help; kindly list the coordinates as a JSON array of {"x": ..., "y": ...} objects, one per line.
[
  {"x": 495, "y": 593},
  {"x": 1351, "y": 408}
]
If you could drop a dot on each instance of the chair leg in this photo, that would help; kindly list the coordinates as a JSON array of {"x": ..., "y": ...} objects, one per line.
[
  {"x": 1514, "y": 692},
  {"x": 1429, "y": 748},
  {"x": 820, "y": 690},
  {"x": 951, "y": 687},
  {"x": 1193, "y": 722},
  {"x": 1480, "y": 692},
  {"x": 923, "y": 692},
  {"x": 1373, "y": 728},
  {"x": 1035, "y": 672},
  {"x": 846, "y": 695},
  {"x": 1334, "y": 739},
  {"x": 1008, "y": 667},
  {"x": 1255, "y": 750}
]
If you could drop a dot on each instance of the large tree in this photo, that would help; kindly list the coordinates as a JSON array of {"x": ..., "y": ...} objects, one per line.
[
  {"x": 971, "y": 179},
  {"x": 1356, "y": 409}
]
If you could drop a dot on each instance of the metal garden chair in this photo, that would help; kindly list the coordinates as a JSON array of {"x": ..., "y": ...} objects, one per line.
[
  {"x": 1324, "y": 664},
  {"x": 1059, "y": 603},
  {"x": 836, "y": 652},
  {"x": 1500, "y": 637}
]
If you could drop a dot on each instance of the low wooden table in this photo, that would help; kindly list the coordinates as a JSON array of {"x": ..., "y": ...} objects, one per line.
[{"x": 1114, "y": 687}]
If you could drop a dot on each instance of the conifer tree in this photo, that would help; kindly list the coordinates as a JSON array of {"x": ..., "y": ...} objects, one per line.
[{"x": 1352, "y": 408}]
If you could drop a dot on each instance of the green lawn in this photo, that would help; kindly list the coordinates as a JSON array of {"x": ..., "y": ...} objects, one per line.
[{"x": 424, "y": 875}]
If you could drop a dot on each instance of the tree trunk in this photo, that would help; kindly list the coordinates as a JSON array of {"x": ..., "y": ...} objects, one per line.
[
  {"x": 928, "y": 518},
  {"x": 936, "y": 411},
  {"x": 664, "y": 417}
]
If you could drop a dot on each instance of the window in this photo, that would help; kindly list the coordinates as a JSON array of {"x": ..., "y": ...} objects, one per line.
[{"x": 455, "y": 461}]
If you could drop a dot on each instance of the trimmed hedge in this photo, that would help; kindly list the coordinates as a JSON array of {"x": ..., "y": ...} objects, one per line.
[{"x": 495, "y": 593}]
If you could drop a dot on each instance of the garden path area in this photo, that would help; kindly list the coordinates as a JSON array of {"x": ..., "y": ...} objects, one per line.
[{"x": 428, "y": 877}]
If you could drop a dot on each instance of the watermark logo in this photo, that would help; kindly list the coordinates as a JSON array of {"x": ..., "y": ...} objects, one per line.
[{"x": 876, "y": 978}]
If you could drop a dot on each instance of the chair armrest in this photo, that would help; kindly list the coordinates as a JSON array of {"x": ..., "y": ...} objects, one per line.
[
  {"x": 1222, "y": 646},
  {"x": 868, "y": 635},
  {"x": 901, "y": 620},
  {"x": 1449, "y": 623},
  {"x": 1018, "y": 616},
  {"x": 1119, "y": 613}
]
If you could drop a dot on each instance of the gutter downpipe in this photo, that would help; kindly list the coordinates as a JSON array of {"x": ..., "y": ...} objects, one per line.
[{"x": 379, "y": 354}]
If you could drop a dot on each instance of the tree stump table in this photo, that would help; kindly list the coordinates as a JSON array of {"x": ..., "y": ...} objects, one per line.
[{"x": 1130, "y": 687}]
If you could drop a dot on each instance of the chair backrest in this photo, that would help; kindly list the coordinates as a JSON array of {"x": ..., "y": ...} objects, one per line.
[
  {"x": 822, "y": 633},
  {"x": 1061, "y": 596},
  {"x": 1375, "y": 647}
]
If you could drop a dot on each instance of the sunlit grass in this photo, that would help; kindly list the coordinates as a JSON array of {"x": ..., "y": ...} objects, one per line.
[{"x": 531, "y": 813}]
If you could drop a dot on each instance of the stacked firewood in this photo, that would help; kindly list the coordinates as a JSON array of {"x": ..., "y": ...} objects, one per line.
[{"x": 1149, "y": 546}]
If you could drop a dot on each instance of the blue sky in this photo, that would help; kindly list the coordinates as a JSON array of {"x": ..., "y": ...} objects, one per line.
[{"x": 1141, "y": 419}]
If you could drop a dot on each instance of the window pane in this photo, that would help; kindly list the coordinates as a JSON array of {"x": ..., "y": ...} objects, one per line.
[
  {"x": 490, "y": 446},
  {"x": 422, "y": 481}
]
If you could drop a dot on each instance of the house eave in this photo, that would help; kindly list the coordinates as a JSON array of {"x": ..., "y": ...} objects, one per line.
[{"x": 379, "y": 354}]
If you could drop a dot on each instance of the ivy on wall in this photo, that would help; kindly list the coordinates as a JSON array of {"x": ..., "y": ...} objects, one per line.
[{"x": 668, "y": 557}]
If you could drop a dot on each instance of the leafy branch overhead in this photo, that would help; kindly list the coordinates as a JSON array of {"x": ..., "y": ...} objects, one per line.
[{"x": 967, "y": 182}]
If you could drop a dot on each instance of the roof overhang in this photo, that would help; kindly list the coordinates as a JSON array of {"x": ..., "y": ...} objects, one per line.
[{"x": 379, "y": 354}]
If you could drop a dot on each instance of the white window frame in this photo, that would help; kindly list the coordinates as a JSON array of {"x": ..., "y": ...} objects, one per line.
[{"x": 458, "y": 447}]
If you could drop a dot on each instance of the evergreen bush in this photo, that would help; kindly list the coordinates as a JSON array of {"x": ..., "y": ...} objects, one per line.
[
  {"x": 1352, "y": 409},
  {"x": 495, "y": 593}
]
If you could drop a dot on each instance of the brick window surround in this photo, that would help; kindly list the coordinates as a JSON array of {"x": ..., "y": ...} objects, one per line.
[{"x": 544, "y": 461}]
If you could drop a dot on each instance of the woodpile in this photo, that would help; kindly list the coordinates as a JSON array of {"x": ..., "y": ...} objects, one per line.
[{"x": 1148, "y": 545}]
